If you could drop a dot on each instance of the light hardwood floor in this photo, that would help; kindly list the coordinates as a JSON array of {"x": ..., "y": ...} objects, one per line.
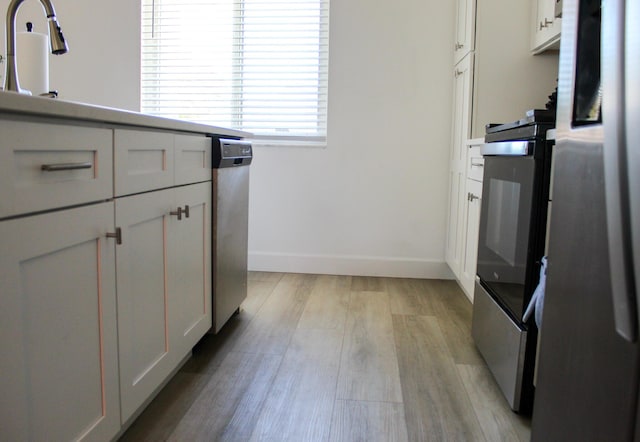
[{"x": 336, "y": 358}]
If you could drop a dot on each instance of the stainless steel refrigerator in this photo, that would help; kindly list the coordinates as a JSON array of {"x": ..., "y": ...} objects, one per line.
[{"x": 589, "y": 365}]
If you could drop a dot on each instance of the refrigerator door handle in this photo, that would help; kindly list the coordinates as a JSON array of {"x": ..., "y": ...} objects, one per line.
[{"x": 616, "y": 173}]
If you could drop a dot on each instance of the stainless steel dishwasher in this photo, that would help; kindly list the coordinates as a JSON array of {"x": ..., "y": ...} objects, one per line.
[{"x": 230, "y": 221}]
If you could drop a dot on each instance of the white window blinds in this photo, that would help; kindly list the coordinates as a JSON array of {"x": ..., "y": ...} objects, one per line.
[{"x": 254, "y": 65}]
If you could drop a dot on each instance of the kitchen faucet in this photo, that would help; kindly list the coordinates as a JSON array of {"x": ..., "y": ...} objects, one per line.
[{"x": 58, "y": 43}]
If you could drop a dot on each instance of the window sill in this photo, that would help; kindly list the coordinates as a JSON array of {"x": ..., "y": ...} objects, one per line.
[{"x": 298, "y": 142}]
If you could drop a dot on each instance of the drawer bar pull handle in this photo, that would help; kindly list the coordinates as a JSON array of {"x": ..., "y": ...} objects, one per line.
[
  {"x": 117, "y": 235},
  {"x": 186, "y": 210},
  {"x": 476, "y": 164},
  {"x": 65, "y": 166}
]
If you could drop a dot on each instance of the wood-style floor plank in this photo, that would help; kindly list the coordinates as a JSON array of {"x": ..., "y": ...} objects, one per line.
[
  {"x": 228, "y": 406},
  {"x": 264, "y": 276},
  {"x": 212, "y": 349},
  {"x": 271, "y": 328},
  {"x": 300, "y": 403},
  {"x": 412, "y": 297},
  {"x": 328, "y": 303},
  {"x": 258, "y": 290},
  {"x": 367, "y": 284},
  {"x": 498, "y": 422},
  {"x": 359, "y": 421},
  {"x": 317, "y": 358},
  {"x": 368, "y": 366},
  {"x": 167, "y": 409},
  {"x": 436, "y": 405},
  {"x": 455, "y": 321}
]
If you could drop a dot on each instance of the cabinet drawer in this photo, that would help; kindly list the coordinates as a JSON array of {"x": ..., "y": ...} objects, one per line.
[
  {"x": 143, "y": 161},
  {"x": 192, "y": 159},
  {"x": 475, "y": 163},
  {"x": 46, "y": 166}
]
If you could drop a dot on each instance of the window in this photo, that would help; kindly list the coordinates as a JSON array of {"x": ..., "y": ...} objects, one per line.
[{"x": 254, "y": 65}]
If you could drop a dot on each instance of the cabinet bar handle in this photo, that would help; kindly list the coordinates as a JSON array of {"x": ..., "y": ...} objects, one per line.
[
  {"x": 117, "y": 235},
  {"x": 459, "y": 46},
  {"x": 186, "y": 210},
  {"x": 471, "y": 197},
  {"x": 65, "y": 166},
  {"x": 546, "y": 23},
  {"x": 457, "y": 73},
  {"x": 178, "y": 213},
  {"x": 477, "y": 164}
]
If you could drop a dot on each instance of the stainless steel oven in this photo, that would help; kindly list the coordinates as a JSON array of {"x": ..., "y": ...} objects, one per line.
[{"x": 510, "y": 248}]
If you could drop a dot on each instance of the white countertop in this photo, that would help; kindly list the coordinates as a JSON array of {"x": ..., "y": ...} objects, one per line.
[{"x": 19, "y": 104}]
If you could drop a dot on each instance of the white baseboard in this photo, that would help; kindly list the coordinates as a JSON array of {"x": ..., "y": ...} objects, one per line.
[{"x": 349, "y": 265}]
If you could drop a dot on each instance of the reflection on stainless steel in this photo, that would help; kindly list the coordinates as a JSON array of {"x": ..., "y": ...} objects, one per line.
[
  {"x": 58, "y": 43},
  {"x": 231, "y": 159},
  {"x": 589, "y": 361},
  {"x": 509, "y": 148},
  {"x": 501, "y": 342}
]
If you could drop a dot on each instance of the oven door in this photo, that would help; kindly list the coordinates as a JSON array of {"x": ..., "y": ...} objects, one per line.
[{"x": 505, "y": 223}]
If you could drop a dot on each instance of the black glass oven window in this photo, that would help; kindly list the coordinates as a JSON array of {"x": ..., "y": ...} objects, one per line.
[
  {"x": 502, "y": 232},
  {"x": 505, "y": 221}
]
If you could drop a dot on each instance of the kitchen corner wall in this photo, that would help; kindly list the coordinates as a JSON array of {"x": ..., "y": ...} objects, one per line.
[{"x": 373, "y": 202}]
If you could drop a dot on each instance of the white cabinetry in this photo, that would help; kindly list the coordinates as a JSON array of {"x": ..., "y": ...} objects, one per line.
[
  {"x": 545, "y": 26},
  {"x": 143, "y": 312},
  {"x": 507, "y": 79},
  {"x": 190, "y": 264},
  {"x": 105, "y": 274},
  {"x": 58, "y": 329},
  {"x": 143, "y": 161},
  {"x": 466, "y": 194},
  {"x": 46, "y": 166},
  {"x": 192, "y": 159},
  {"x": 465, "y": 29},
  {"x": 164, "y": 285},
  {"x": 462, "y": 96},
  {"x": 471, "y": 225},
  {"x": 163, "y": 263}
]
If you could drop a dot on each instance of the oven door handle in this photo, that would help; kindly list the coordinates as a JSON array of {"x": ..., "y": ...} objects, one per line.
[{"x": 507, "y": 148}]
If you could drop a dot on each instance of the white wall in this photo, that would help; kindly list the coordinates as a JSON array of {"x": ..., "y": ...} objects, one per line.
[
  {"x": 103, "y": 63},
  {"x": 373, "y": 202}
]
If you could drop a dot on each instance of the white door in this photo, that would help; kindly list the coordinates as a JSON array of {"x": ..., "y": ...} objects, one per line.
[
  {"x": 465, "y": 29},
  {"x": 58, "y": 338},
  {"x": 472, "y": 227},
  {"x": 460, "y": 133},
  {"x": 143, "y": 328},
  {"x": 190, "y": 267}
]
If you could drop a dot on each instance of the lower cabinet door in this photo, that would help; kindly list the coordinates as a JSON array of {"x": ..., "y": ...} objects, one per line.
[
  {"x": 58, "y": 337},
  {"x": 143, "y": 328},
  {"x": 190, "y": 267},
  {"x": 455, "y": 226},
  {"x": 472, "y": 226},
  {"x": 164, "y": 285}
]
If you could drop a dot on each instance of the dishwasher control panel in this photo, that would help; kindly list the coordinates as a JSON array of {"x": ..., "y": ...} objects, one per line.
[{"x": 231, "y": 153}]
